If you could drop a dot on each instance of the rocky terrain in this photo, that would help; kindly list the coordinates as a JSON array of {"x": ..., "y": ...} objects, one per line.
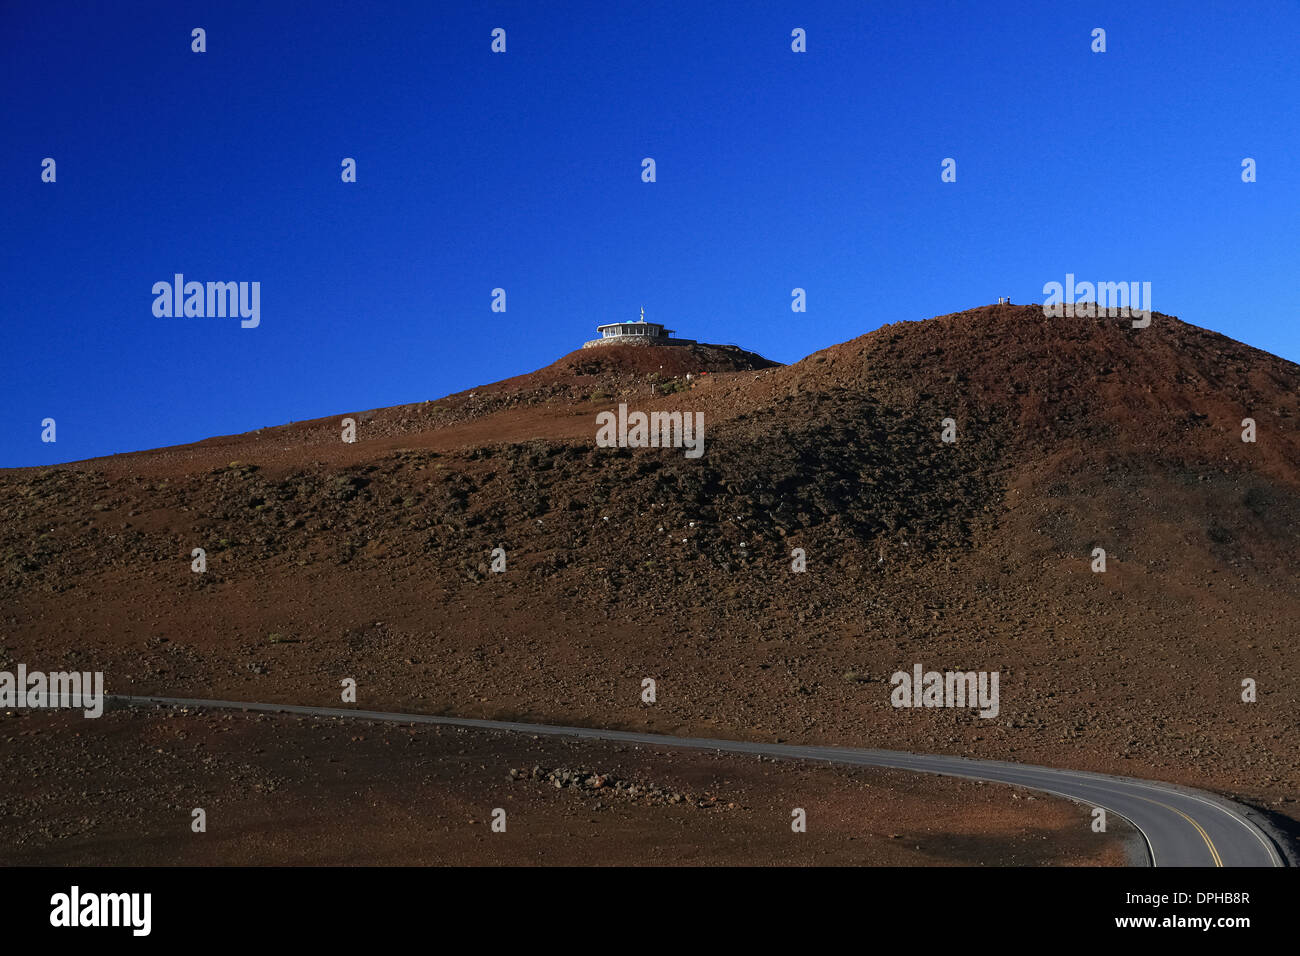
[
  {"x": 372, "y": 560},
  {"x": 275, "y": 790}
]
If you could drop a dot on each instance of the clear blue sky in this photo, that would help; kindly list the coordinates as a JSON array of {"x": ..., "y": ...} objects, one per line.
[{"x": 523, "y": 171}]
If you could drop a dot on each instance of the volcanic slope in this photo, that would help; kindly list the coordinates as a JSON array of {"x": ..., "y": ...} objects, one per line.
[{"x": 371, "y": 560}]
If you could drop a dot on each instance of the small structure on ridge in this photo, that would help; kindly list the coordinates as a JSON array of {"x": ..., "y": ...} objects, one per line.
[{"x": 640, "y": 332}]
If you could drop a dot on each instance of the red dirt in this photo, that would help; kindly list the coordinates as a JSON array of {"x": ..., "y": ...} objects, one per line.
[
  {"x": 289, "y": 791},
  {"x": 370, "y": 560}
]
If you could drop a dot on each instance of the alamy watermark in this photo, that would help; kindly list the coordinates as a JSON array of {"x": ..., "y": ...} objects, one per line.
[
  {"x": 211, "y": 300},
  {"x": 57, "y": 689},
  {"x": 1109, "y": 299},
  {"x": 75, "y": 908},
  {"x": 653, "y": 430},
  {"x": 948, "y": 689}
]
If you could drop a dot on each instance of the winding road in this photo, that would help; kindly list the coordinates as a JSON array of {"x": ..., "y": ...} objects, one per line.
[{"x": 1182, "y": 827}]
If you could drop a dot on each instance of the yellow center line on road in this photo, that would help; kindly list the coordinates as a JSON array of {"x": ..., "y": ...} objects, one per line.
[
  {"x": 1214, "y": 852},
  {"x": 1199, "y": 829}
]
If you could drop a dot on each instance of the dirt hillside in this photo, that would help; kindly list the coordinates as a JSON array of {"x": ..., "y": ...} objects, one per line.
[{"x": 371, "y": 560}]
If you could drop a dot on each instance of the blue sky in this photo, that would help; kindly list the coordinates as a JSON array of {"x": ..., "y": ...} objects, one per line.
[{"x": 522, "y": 170}]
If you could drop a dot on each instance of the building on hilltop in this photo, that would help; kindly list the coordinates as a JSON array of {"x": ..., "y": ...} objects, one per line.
[{"x": 640, "y": 332}]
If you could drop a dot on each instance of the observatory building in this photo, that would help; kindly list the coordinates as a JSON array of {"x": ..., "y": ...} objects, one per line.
[{"x": 640, "y": 332}]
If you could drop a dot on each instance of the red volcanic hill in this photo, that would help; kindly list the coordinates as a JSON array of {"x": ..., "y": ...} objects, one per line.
[
  {"x": 371, "y": 560},
  {"x": 556, "y": 401}
]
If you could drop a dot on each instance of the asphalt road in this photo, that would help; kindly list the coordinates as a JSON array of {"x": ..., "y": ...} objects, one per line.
[{"x": 1182, "y": 827}]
